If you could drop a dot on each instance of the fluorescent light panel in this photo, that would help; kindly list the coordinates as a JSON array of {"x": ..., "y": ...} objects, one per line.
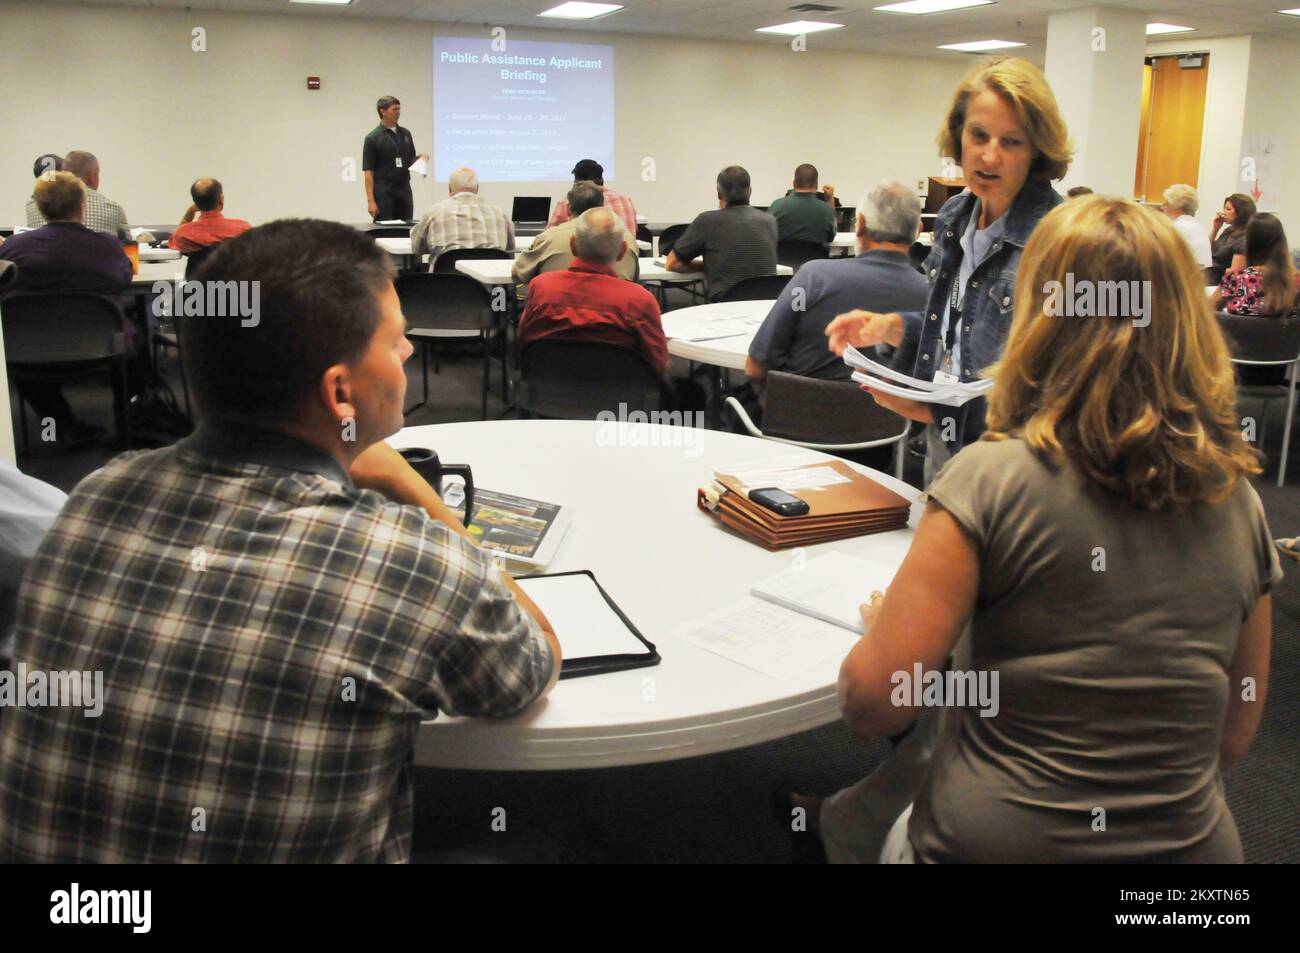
[
  {"x": 581, "y": 11},
  {"x": 325, "y": 3},
  {"x": 1156, "y": 29},
  {"x": 922, "y": 7},
  {"x": 1293, "y": 12},
  {"x": 800, "y": 27},
  {"x": 980, "y": 46}
]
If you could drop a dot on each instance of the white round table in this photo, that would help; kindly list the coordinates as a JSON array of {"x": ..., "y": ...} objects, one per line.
[{"x": 635, "y": 525}]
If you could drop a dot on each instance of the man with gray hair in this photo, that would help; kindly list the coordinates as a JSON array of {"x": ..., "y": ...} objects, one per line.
[
  {"x": 550, "y": 251},
  {"x": 589, "y": 302},
  {"x": 1180, "y": 205},
  {"x": 464, "y": 220},
  {"x": 793, "y": 336},
  {"x": 102, "y": 213}
]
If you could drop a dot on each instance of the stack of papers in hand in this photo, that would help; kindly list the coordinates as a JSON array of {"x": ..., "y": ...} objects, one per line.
[{"x": 889, "y": 381}]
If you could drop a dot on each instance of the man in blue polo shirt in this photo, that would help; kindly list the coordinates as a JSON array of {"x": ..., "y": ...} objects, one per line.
[{"x": 793, "y": 336}]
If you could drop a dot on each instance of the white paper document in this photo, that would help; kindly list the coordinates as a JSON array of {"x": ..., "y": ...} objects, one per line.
[
  {"x": 830, "y": 587},
  {"x": 889, "y": 381},
  {"x": 788, "y": 473},
  {"x": 420, "y": 167},
  {"x": 731, "y": 326},
  {"x": 766, "y": 637},
  {"x": 390, "y": 221},
  {"x": 584, "y": 622}
]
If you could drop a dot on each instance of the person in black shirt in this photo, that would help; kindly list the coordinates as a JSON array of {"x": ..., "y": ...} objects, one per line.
[{"x": 386, "y": 158}]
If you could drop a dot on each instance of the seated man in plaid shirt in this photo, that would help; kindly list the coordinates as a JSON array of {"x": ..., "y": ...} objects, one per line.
[{"x": 274, "y": 603}]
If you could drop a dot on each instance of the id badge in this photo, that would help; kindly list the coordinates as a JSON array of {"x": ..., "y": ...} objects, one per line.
[
  {"x": 943, "y": 377},
  {"x": 399, "y": 162}
]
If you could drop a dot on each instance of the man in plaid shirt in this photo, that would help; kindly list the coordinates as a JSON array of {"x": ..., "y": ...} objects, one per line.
[
  {"x": 102, "y": 213},
  {"x": 589, "y": 170},
  {"x": 462, "y": 221},
  {"x": 275, "y": 602}
]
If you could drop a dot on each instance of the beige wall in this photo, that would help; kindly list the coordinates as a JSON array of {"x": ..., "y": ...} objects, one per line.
[
  {"x": 1271, "y": 95},
  {"x": 125, "y": 84}
]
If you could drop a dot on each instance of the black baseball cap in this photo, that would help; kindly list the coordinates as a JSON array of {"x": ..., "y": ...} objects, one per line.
[{"x": 588, "y": 169}]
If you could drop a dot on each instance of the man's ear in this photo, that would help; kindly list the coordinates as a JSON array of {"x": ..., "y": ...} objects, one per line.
[
  {"x": 337, "y": 393},
  {"x": 621, "y": 252},
  {"x": 573, "y": 246},
  {"x": 861, "y": 225}
]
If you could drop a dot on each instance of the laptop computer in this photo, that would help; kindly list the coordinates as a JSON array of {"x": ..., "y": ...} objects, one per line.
[{"x": 529, "y": 213}]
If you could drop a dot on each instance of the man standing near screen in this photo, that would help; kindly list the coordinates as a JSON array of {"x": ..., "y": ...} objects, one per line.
[{"x": 386, "y": 159}]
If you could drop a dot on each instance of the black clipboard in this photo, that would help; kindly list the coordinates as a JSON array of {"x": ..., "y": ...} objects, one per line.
[{"x": 600, "y": 664}]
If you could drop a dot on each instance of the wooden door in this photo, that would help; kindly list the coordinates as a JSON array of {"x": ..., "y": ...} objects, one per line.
[{"x": 1173, "y": 115}]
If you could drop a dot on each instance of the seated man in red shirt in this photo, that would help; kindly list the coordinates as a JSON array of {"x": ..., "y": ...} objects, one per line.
[
  {"x": 210, "y": 227},
  {"x": 589, "y": 302}
]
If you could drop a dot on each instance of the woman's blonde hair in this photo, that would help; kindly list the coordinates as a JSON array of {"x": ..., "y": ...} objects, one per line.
[
  {"x": 1024, "y": 88},
  {"x": 1141, "y": 402}
]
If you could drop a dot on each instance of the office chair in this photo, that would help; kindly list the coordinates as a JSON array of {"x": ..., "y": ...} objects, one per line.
[
  {"x": 60, "y": 338},
  {"x": 831, "y": 416},
  {"x": 577, "y": 380}
]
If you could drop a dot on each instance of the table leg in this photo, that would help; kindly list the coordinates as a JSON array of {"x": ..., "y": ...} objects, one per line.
[{"x": 716, "y": 399}]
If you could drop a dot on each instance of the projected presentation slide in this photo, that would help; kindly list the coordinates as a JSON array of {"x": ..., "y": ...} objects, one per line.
[{"x": 525, "y": 113}]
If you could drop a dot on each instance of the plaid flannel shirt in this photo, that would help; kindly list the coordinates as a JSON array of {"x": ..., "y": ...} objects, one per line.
[
  {"x": 270, "y": 637},
  {"x": 102, "y": 214},
  {"x": 465, "y": 220},
  {"x": 616, "y": 202}
]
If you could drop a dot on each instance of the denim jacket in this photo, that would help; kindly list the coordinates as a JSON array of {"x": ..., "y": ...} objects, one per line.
[{"x": 988, "y": 305}]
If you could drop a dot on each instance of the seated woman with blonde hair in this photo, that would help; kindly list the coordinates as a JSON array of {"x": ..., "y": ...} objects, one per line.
[{"x": 1113, "y": 564}]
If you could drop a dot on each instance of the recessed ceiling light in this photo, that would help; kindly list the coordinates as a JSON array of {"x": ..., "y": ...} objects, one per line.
[
  {"x": 330, "y": 3},
  {"x": 980, "y": 46},
  {"x": 1155, "y": 29},
  {"x": 799, "y": 27},
  {"x": 922, "y": 7},
  {"x": 581, "y": 11},
  {"x": 1293, "y": 12}
]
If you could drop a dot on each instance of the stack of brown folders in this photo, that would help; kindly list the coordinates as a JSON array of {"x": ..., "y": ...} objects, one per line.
[{"x": 855, "y": 508}]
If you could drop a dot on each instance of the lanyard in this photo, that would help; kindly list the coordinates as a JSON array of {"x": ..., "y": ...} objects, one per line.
[{"x": 956, "y": 302}]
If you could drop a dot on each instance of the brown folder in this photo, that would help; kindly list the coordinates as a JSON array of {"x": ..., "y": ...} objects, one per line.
[{"x": 855, "y": 508}]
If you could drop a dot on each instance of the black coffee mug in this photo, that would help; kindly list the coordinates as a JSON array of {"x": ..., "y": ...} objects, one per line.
[{"x": 426, "y": 463}]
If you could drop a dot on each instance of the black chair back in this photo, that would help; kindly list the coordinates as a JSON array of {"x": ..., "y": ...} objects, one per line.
[
  {"x": 846, "y": 218},
  {"x": 389, "y": 231},
  {"x": 438, "y": 302},
  {"x": 827, "y": 412},
  {"x": 446, "y": 263},
  {"x": 1262, "y": 340},
  {"x": 643, "y": 234},
  {"x": 795, "y": 253},
  {"x": 195, "y": 259},
  {"x": 62, "y": 328},
  {"x": 668, "y": 238},
  {"x": 762, "y": 288},
  {"x": 1213, "y": 275},
  {"x": 577, "y": 380}
]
